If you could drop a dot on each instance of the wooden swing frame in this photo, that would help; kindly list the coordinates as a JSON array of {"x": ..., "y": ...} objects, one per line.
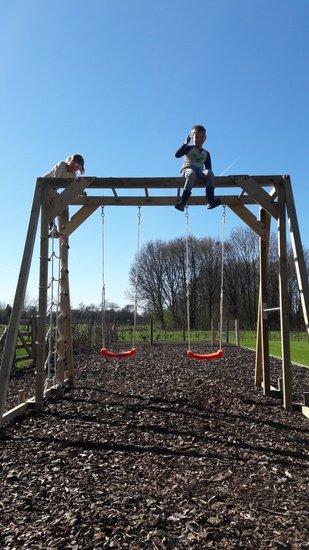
[
  {"x": 52, "y": 198},
  {"x": 104, "y": 351}
]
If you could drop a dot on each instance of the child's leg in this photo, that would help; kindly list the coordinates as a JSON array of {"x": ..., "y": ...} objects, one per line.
[
  {"x": 190, "y": 178},
  {"x": 209, "y": 178}
]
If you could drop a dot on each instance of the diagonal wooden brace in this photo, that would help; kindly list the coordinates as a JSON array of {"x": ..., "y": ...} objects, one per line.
[
  {"x": 246, "y": 215},
  {"x": 77, "y": 219},
  {"x": 60, "y": 201},
  {"x": 259, "y": 195}
]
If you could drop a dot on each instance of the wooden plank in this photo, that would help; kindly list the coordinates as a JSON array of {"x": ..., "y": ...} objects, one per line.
[
  {"x": 232, "y": 181},
  {"x": 264, "y": 250},
  {"x": 42, "y": 307},
  {"x": 69, "y": 338},
  {"x": 13, "y": 326},
  {"x": 22, "y": 408},
  {"x": 261, "y": 197},
  {"x": 246, "y": 216},
  {"x": 64, "y": 270},
  {"x": 77, "y": 219},
  {"x": 61, "y": 201},
  {"x": 299, "y": 260},
  {"x": 19, "y": 410},
  {"x": 195, "y": 200},
  {"x": 284, "y": 305}
]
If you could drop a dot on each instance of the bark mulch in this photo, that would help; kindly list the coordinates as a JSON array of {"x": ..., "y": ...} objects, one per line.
[{"x": 158, "y": 452}]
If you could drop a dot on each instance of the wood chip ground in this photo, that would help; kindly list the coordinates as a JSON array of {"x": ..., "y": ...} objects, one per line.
[{"x": 158, "y": 452}]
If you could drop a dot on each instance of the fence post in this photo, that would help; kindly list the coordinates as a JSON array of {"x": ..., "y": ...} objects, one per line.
[
  {"x": 151, "y": 332},
  {"x": 227, "y": 332},
  {"x": 212, "y": 325},
  {"x": 237, "y": 332},
  {"x": 33, "y": 339}
]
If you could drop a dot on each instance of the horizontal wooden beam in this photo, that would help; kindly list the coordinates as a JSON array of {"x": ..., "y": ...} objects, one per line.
[
  {"x": 158, "y": 201},
  {"x": 158, "y": 182}
]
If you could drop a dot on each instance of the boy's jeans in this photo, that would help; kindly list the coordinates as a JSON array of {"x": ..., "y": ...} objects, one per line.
[{"x": 192, "y": 174}]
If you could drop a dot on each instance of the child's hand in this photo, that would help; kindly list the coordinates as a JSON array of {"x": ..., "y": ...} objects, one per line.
[{"x": 187, "y": 140}]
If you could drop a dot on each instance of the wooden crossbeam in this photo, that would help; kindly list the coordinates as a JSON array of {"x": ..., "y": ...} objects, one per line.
[
  {"x": 195, "y": 200},
  {"x": 231, "y": 182}
]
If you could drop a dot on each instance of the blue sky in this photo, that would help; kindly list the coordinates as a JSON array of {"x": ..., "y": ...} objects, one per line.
[{"x": 122, "y": 83}]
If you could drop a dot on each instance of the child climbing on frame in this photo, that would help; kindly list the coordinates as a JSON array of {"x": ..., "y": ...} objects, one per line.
[
  {"x": 67, "y": 168},
  {"x": 196, "y": 165}
]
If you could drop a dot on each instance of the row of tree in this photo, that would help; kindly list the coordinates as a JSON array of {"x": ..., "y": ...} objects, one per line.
[{"x": 165, "y": 276}]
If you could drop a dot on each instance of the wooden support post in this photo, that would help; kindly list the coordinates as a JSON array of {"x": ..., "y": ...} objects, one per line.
[
  {"x": 12, "y": 330},
  {"x": 21, "y": 397},
  {"x": 61, "y": 342},
  {"x": 300, "y": 266},
  {"x": 69, "y": 338},
  {"x": 264, "y": 250},
  {"x": 258, "y": 352},
  {"x": 65, "y": 306},
  {"x": 284, "y": 306},
  {"x": 41, "y": 318}
]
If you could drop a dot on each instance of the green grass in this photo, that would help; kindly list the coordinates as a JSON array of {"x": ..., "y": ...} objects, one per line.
[{"x": 298, "y": 343}]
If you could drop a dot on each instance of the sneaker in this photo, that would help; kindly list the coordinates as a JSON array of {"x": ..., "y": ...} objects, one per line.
[
  {"x": 213, "y": 204},
  {"x": 180, "y": 207}
]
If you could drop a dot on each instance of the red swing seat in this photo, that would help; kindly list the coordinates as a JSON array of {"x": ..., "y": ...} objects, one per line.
[
  {"x": 205, "y": 356},
  {"x": 117, "y": 355}
]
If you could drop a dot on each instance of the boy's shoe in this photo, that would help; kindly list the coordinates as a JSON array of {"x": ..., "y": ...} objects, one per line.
[
  {"x": 213, "y": 204},
  {"x": 180, "y": 207}
]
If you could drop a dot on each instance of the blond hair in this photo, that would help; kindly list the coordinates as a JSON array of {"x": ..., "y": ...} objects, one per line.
[{"x": 198, "y": 128}]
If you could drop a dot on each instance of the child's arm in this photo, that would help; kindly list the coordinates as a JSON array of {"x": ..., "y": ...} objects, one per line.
[
  {"x": 184, "y": 148},
  {"x": 57, "y": 171},
  {"x": 208, "y": 162},
  {"x": 60, "y": 169}
]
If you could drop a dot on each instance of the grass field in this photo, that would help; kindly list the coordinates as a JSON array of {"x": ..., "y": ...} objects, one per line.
[
  {"x": 298, "y": 342},
  {"x": 299, "y": 346}
]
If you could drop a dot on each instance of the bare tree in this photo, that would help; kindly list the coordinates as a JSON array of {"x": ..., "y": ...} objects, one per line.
[
  {"x": 151, "y": 278},
  {"x": 246, "y": 252}
]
